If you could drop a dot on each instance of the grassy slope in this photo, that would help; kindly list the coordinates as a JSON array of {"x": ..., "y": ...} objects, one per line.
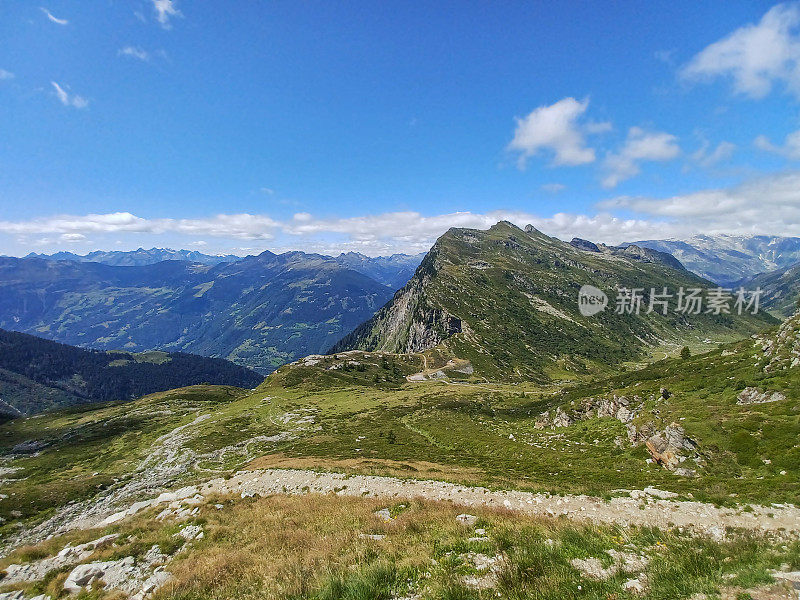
[
  {"x": 781, "y": 289},
  {"x": 470, "y": 433},
  {"x": 425, "y": 551}
]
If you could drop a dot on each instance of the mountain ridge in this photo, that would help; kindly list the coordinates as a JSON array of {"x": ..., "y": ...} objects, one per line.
[
  {"x": 509, "y": 297},
  {"x": 727, "y": 259}
]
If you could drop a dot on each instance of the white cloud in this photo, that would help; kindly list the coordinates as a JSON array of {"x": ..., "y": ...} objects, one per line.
[
  {"x": 134, "y": 52},
  {"x": 52, "y": 18},
  {"x": 768, "y": 205},
  {"x": 706, "y": 157},
  {"x": 6, "y": 75},
  {"x": 165, "y": 9},
  {"x": 556, "y": 128},
  {"x": 72, "y": 238},
  {"x": 639, "y": 146},
  {"x": 790, "y": 148},
  {"x": 266, "y": 190},
  {"x": 68, "y": 99},
  {"x": 244, "y": 226},
  {"x": 553, "y": 188},
  {"x": 755, "y": 56}
]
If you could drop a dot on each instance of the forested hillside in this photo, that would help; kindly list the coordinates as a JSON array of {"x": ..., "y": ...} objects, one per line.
[{"x": 38, "y": 374}]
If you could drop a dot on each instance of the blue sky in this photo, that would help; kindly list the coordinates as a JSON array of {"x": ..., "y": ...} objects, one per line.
[{"x": 241, "y": 126}]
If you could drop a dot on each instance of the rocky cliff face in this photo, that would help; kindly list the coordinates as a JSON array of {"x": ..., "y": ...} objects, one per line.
[{"x": 409, "y": 322}]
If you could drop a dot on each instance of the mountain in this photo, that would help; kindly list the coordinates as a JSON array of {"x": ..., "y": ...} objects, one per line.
[
  {"x": 393, "y": 271},
  {"x": 506, "y": 300},
  {"x": 781, "y": 289},
  {"x": 727, "y": 259},
  {"x": 140, "y": 257},
  {"x": 260, "y": 311},
  {"x": 38, "y": 374},
  {"x": 633, "y": 251}
]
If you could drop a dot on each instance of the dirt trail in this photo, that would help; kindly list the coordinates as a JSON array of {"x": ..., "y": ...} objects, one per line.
[
  {"x": 169, "y": 459},
  {"x": 638, "y": 508}
]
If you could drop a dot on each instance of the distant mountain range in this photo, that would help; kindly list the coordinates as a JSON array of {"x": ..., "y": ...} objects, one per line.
[
  {"x": 504, "y": 303},
  {"x": 727, "y": 259},
  {"x": 38, "y": 374},
  {"x": 266, "y": 310},
  {"x": 392, "y": 271},
  {"x": 140, "y": 257}
]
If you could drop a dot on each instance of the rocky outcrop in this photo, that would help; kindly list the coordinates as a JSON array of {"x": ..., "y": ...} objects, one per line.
[
  {"x": 665, "y": 447},
  {"x": 34, "y": 571},
  {"x": 751, "y": 395},
  {"x": 410, "y": 322},
  {"x": 782, "y": 350},
  {"x": 621, "y": 408},
  {"x": 137, "y": 578},
  {"x": 668, "y": 447},
  {"x": 581, "y": 244}
]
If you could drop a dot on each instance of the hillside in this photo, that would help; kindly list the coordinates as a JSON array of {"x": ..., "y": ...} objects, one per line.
[
  {"x": 727, "y": 259},
  {"x": 781, "y": 289},
  {"x": 38, "y": 374},
  {"x": 260, "y": 312},
  {"x": 507, "y": 301},
  {"x": 684, "y": 472}
]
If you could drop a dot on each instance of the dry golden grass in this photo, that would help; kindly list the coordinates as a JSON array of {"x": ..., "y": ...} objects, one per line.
[
  {"x": 316, "y": 547},
  {"x": 286, "y": 545}
]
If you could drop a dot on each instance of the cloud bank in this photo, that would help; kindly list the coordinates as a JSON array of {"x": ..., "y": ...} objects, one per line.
[{"x": 769, "y": 205}]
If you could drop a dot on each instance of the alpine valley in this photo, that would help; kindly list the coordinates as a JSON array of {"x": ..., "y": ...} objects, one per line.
[{"x": 469, "y": 435}]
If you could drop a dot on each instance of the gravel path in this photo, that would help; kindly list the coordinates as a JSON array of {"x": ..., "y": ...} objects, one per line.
[{"x": 638, "y": 508}]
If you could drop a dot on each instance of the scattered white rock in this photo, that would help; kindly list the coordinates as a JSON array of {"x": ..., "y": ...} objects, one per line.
[
  {"x": 191, "y": 532},
  {"x": 136, "y": 578},
  {"x": 634, "y": 585},
  {"x": 662, "y": 494},
  {"x": 34, "y": 571},
  {"x": 466, "y": 519}
]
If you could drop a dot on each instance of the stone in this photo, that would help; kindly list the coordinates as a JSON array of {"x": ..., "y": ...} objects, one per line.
[
  {"x": 69, "y": 555},
  {"x": 191, "y": 532},
  {"x": 84, "y": 575},
  {"x": 662, "y": 494},
  {"x": 466, "y": 519},
  {"x": 634, "y": 585},
  {"x": 751, "y": 395}
]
